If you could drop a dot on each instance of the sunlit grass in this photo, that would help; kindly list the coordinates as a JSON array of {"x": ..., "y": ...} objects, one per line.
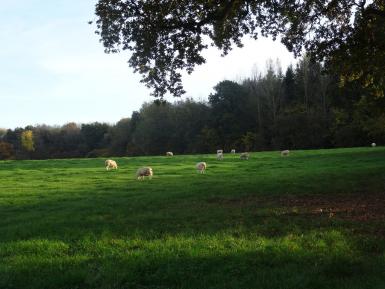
[{"x": 72, "y": 224}]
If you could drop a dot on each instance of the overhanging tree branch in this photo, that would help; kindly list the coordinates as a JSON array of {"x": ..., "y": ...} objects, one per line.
[{"x": 166, "y": 37}]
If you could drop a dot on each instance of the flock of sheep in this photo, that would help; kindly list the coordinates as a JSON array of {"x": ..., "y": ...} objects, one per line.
[{"x": 200, "y": 167}]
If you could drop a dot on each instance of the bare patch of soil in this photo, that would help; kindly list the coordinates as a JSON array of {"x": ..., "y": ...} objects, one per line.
[{"x": 355, "y": 207}]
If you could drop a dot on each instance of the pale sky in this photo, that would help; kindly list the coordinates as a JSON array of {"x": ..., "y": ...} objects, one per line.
[{"x": 54, "y": 70}]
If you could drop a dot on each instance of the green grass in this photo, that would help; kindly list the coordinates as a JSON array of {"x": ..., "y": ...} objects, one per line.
[{"x": 243, "y": 224}]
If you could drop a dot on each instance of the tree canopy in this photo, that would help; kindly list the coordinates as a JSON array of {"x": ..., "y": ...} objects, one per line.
[{"x": 168, "y": 36}]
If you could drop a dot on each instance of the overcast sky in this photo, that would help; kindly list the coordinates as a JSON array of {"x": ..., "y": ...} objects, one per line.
[{"x": 54, "y": 70}]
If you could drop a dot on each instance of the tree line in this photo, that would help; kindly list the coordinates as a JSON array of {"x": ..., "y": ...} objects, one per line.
[{"x": 301, "y": 108}]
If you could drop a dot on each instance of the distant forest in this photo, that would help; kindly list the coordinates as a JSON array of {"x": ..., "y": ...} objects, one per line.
[{"x": 301, "y": 108}]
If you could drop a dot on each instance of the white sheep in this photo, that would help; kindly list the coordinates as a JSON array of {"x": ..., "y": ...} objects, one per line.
[
  {"x": 373, "y": 144},
  {"x": 144, "y": 172},
  {"x": 201, "y": 167},
  {"x": 244, "y": 156},
  {"x": 110, "y": 164},
  {"x": 169, "y": 154},
  {"x": 219, "y": 151},
  {"x": 219, "y": 156},
  {"x": 233, "y": 151},
  {"x": 285, "y": 153}
]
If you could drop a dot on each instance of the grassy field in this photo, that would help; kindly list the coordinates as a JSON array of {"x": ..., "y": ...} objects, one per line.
[{"x": 315, "y": 219}]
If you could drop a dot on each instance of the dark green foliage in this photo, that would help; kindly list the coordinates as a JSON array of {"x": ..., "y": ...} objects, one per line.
[
  {"x": 154, "y": 132},
  {"x": 289, "y": 86},
  {"x": 95, "y": 135},
  {"x": 120, "y": 135},
  {"x": 362, "y": 57},
  {"x": 231, "y": 115}
]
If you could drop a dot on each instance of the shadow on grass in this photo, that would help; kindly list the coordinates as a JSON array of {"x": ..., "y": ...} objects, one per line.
[{"x": 218, "y": 261}]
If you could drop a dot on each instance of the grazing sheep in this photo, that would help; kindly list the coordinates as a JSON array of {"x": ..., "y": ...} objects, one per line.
[
  {"x": 219, "y": 151},
  {"x": 373, "y": 144},
  {"x": 169, "y": 154},
  {"x": 219, "y": 156},
  {"x": 233, "y": 151},
  {"x": 244, "y": 156},
  {"x": 110, "y": 164},
  {"x": 144, "y": 172},
  {"x": 285, "y": 153},
  {"x": 201, "y": 167}
]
